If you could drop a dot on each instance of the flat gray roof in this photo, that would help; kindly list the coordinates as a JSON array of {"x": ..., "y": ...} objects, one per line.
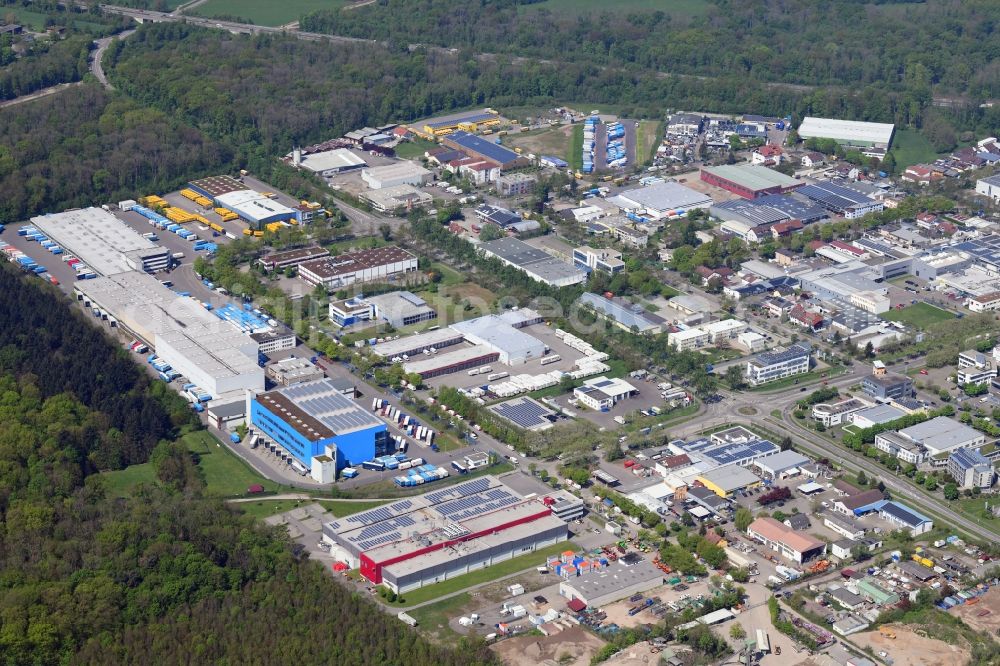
[
  {"x": 666, "y": 196},
  {"x": 613, "y": 578},
  {"x": 341, "y": 158},
  {"x": 532, "y": 260},
  {"x": 753, "y": 177},
  {"x": 96, "y": 236},
  {"x": 940, "y": 433}
]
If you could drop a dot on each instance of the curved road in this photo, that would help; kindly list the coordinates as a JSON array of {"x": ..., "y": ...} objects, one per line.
[{"x": 97, "y": 55}]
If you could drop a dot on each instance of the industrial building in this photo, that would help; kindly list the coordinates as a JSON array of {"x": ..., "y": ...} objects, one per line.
[
  {"x": 662, "y": 200},
  {"x": 624, "y": 315},
  {"x": 741, "y": 452},
  {"x": 536, "y": 263},
  {"x": 876, "y": 415},
  {"x": 209, "y": 352},
  {"x": 989, "y": 187},
  {"x": 769, "y": 209},
  {"x": 214, "y": 186},
  {"x": 526, "y": 413},
  {"x": 451, "y": 361},
  {"x": 787, "y": 542},
  {"x": 480, "y": 148},
  {"x": 840, "y": 198},
  {"x": 373, "y": 265},
  {"x": 441, "y": 534},
  {"x": 905, "y": 518},
  {"x": 605, "y": 585},
  {"x": 848, "y": 132},
  {"x": 470, "y": 121},
  {"x": 316, "y": 419},
  {"x": 412, "y": 345},
  {"x": 780, "y": 465},
  {"x": 392, "y": 175},
  {"x": 257, "y": 209},
  {"x": 103, "y": 241},
  {"x": 332, "y": 162},
  {"x": 602, "y": 393},
  {"x": 286, "y": 258},
  {"x": 396, "y": 199},
  {"x": 859, "y": 503},
  {"x": 727, "y": 479},
  {"x": 289, "y": 371},
  {"x": 772, "y": 366},
  {"x": 749, "y": 181},
  {"x": 970, "y": 469},
  {"x": 514, "y": 347}
]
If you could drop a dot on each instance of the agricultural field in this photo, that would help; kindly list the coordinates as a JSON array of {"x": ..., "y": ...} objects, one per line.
[
  {"x": 911, "y": 147},
  {"x": 265, "y": 12},
  {"x": 920, "y": 315}
]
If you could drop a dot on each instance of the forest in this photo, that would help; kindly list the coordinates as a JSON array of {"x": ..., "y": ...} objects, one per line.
[
  {"x": 166, "y": 576},
  {"x": 901, "y": 45},
  {"x": 113, "y": 149},
  {"x": 45, "y": 65}
]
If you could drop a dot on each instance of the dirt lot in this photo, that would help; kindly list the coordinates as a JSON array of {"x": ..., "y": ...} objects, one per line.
[
  {"x": 578, "y": 643},
  {"x": 913, "y": 649},
  {"x": 694, "y": 181},
  {"x": 988, "y": 623},
  {"x": 640, "y": 654}
]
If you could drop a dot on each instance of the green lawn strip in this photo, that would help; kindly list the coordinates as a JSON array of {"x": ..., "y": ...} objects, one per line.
[
  {"x": 920, "y": 315},
  {"x": 575, "y": 157},
  {"x": 225, "y": 474},
  {"x": 410, "y": 150},
  {"x": 806, "y": 378},
  {"x": 435, "y": 617},
  {"x": 489, "y": 574}
]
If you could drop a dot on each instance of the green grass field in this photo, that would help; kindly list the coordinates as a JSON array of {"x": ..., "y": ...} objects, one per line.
[
  {"x": 265, "y": 12},
  {"x": 920, "y": 315},
  {"x": 225, "y": 475},
  {"x": 266, "y": 507},
  {"x": 676, "y": 8},
  {"x": 575, "y": 157},
  {"x": 646, "y": 139},
  {"x": 414, "y": 150},
  {"x": 911, "y": 147},
  {"x": 506, "y": 568}
]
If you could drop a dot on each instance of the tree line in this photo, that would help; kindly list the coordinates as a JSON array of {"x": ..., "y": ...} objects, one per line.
[{"x": 165, "y": 575}]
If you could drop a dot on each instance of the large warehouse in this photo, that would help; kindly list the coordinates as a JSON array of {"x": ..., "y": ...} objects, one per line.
[
  {"x": 441, "y": 534},
  {"x": 392, "y": 175},
  {"x": 540, "y": 265},
  {"x": 768, "y": 209},
  {"x": 661, "y": 200},
  {"x": 749, "y": 181},
  {"x": 848, "y": 132},
  {"x": 493, "y": 331},
  {"x": 480, "y": 148},
  {"x": 210, "y": 352},
  {"x": 375, "y": 264},
  {"x": 103, "y": 241},
  {"x": 331, "y": 162},
  {"x": 256, "y": 209},
  {"x": 316, "y": 419}
]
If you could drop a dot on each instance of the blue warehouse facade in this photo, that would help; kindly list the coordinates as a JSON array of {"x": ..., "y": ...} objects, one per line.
[{"x": 315, "y": 419}]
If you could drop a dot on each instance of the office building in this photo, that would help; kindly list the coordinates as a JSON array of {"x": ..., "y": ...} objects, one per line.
[
  {"x": 286, "y": 258},
  {"x": 289, "y": 371},
  {"x": 772, "y": 366},
  {"x": 441, "y": 534},
  {"x": 975, "y": 368},
  {"x": 970, "y": 469},
  {"x": 592, "y": 259},
  {"x": 602, "y": 393},
  {"x": 399, "y": 308},
  {"x": 887, "y": 387},
  {"x": 516, "y": 184}
]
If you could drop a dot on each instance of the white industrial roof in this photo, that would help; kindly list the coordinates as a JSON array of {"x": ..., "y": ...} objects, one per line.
[
  {"x": 662, "y": 197},
  {"x": 253, "y": 204},
  {"x": 341, "y": 158},
  {"x": 846, "y": 130},
  {"x": 95, "y": 236},
  {"x": 494, "y": 332}
]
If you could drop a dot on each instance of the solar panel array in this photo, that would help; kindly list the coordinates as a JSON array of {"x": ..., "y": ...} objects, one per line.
[
  {"x": 731, "y": 453},
  {"x": 467, "y": 507},
  {"x": 461, "y": 490},
  {"x": 525, "y": 413},
  {"x": 833, "y": 196},
  {"x": 380, "y": 533},
  {"x": 325, "y": 403}
]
